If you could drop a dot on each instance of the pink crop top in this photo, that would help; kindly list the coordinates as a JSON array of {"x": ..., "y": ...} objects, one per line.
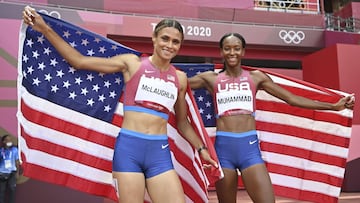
[
  {"x": 151, "y": 91},
  {"x": 234, "y": 96}
]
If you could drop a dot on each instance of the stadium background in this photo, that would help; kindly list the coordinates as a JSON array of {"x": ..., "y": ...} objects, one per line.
[{"x": 326, "y": 54}]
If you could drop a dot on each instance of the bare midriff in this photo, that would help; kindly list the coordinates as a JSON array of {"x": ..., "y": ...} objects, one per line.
[
  {"x": 144, "y": 123},
  {"x": 236, "y": 123}
]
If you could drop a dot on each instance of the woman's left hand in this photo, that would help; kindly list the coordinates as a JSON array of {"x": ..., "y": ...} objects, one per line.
[
  {"x": 347, "y": 102},
  {"x": 206, "y": 157}
]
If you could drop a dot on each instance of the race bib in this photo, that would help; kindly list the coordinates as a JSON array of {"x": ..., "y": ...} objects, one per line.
[
  {"x": 231, "y": 100},
  {"x": 156, "y": 91}
]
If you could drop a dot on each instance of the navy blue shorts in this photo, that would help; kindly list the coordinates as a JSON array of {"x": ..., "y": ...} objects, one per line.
[
  {"x": 238, "y": 150},
  {"x": 137, "y": 152}
]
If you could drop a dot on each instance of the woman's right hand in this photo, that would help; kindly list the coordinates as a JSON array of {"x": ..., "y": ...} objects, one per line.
[
  {"x": 114, "y": 64},
  {"x": 32, "y": 18}
]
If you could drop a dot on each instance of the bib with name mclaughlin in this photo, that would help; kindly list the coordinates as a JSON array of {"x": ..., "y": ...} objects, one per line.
[{"x": 156, "y": 91}]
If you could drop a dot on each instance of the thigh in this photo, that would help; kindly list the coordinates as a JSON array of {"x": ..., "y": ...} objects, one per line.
[
  {"x": 12, "y": 182},
  {"x": 165, "y": 187},
  {"x": 131, "y": 186},
  {"x": 226, "y": 188},
  {"x": 258, "y": 184},
  {"x": 127, "y": 156}
]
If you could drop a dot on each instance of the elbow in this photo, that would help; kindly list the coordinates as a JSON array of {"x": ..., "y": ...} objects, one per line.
[
  {"x": 78, "y": 62},
  {"x": 181, "y": 125},
  {"x": 292, "y": 102}
]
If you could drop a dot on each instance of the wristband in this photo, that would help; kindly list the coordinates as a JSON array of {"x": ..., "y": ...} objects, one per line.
[{"x": 202, "y": 148}]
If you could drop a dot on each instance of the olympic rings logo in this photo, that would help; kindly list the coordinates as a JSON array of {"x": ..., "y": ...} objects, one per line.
[
  {"x": 292, "y": 36},
  {"x": 54, "y": 14}
]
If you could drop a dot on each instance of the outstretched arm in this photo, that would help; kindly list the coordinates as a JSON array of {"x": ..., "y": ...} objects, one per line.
[
  {"x": 72, "y": 56},
  {"x": 183, "y": 124},
  {"x": 203, "y": 80},
  {"x": 272, "y": 88}
]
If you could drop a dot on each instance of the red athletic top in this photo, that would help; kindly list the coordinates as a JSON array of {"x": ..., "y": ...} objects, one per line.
[
  {"x": 151, "y": 91},
  {"x": 234, "y": 96}
]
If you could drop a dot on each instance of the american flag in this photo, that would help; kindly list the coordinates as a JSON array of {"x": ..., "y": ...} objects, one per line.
[
  {"x": 305, "y": 150},
  {"x": 69, "y": 118}
]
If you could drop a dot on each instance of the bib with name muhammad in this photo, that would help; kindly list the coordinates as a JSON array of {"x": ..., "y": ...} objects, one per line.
[{"x": 234, "y": 96}]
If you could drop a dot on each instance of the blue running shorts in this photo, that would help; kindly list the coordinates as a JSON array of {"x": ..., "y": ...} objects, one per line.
[
  {"x": 142, "y": 153},
  {"x": 238, "y": 150}
]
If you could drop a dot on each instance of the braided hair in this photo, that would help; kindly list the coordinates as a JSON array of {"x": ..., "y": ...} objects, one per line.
[{"x": 169, "y": 23}]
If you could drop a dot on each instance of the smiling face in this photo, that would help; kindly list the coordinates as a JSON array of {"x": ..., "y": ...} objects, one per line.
[
  {"x": 167, "y": 37},
  {"x": 167, "y": 42},
  {"x": 232, "y": 50}
]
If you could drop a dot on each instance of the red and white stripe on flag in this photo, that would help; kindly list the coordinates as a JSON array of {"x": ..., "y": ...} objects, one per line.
[
  {"x": 305, "y": 150},
  {"x": 64, "y": 147}
]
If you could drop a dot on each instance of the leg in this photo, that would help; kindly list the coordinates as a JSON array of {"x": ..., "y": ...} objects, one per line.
[
  {"x": 131, "y": 187},
  {"x": 11, "y": 187},
  {"x": 165, "y": 187},
  {"x": 2, "y": 190},
  {"x": 258, "y": 184},
  {"x": 226, "y": 188},
  {"x": 127, "y": 168}
]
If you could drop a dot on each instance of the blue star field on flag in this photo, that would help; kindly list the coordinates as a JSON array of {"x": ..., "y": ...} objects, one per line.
[
  {"x": 47, "y": 75},
  {"x": 202, "y": 96}
]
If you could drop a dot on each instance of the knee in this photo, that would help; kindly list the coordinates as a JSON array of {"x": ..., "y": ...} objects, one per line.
[{"x": 12, "y": 188}]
